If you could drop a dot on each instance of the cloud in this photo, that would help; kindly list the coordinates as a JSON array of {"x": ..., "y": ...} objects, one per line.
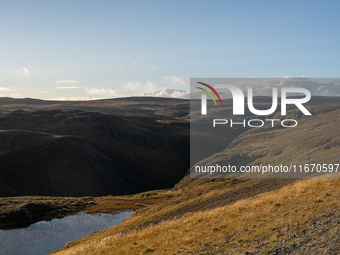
[
  {"x": 72, "y": 98},
  {"x": 264, "y": 86},
  {"x": 25, "y": 70},
  {"x": 176, "y": 80},
  {"x": 133, "y": 86},
  {"x": 66, "y": 81},
  {"x": 165, "y": 92},
  {"x": 150, "y": 86},
  {"x": 139, "y": 89},
  {"x": 4, "y": 89},
  {"x": 43, "y": 92},
  {"x": 153, "y": 67},
  {"x": 22, "y": 72},
  {"x": 69, "y": 87},
  {"x": 296, "y": 77},
  {"x": 103, "y": 92},
  {"x": 137, "y": 86}
]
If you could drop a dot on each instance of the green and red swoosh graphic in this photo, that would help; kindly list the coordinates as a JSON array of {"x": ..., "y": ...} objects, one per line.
[{"x": 208, "y": 92}]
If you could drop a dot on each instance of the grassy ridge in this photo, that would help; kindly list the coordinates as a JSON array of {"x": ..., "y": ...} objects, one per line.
[
  {"x": 314, "y": 140},
  {"x": 257, "y": 224}
]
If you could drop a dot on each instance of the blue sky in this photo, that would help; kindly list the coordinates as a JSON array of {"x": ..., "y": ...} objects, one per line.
[{"x": 104, "y": 49}]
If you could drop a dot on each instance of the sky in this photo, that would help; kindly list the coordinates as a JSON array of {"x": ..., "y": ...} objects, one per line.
[{"x": 82, "y": 50}]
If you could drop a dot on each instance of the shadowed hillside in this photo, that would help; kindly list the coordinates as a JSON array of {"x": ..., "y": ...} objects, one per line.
[
  {"x": 76, "y": 153},
  {"x": 45, "y": 164}
]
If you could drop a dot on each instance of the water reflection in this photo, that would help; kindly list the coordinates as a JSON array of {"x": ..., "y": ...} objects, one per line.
[{"x": 46, "y": 236}]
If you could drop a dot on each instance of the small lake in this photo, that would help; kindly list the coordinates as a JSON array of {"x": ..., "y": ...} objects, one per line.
[{"x": 46, "y": 236}]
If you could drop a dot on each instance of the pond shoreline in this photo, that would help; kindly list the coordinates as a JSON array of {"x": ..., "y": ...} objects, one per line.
[
  {"x": 46, "y": 236},
  {"x": 21, "y": 212}
]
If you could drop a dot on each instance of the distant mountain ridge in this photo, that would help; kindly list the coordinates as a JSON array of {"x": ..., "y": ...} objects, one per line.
[{"x": 132, "y": 106}]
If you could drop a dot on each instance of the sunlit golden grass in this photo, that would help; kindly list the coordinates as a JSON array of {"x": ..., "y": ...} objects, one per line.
[
  {"x": 242, "y": 224},
  {"x": 111, "y": 204}
]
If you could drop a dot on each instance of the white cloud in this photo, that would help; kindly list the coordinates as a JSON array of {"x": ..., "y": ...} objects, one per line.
[
  {"x": 264, "y": 87},
  {"x": 72, "y": 98},
  {"x": 22, "y": 72},
  {"x": 176, "y": 80},
  {"x": 25, "y": 70},
  {"x": 150, "y": 86},
  {"x": 43, "y": 92},
  {"x": 326, "y": 93},
  {"x": 66, "y": 81},
  {"x": 133, "y": 86},
  {"x": 153, "y": 67},
  {"x": 165, "y": 92},
  {"x": 69, "y": 87},
  {"x": 4, "y": 89},
  {"x": 289, "y": 77},
  {"x": 137, "y": 86},
  {"x": 322, "y": 87},
  {"x": 103, "y": 92}
]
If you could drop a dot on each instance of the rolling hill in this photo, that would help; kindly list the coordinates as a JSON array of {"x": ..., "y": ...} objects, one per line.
[{"x": 77, "y": 153}]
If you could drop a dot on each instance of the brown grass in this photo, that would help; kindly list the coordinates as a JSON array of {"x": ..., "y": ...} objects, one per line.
[
  {"x": 242, "y": 225},
  {"x": 117, "y": 204}
]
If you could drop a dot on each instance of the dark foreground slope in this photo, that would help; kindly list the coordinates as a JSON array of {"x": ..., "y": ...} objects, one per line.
[
  {"x": 76, "y": 153},
  {"x": 46, "y": 164}
]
